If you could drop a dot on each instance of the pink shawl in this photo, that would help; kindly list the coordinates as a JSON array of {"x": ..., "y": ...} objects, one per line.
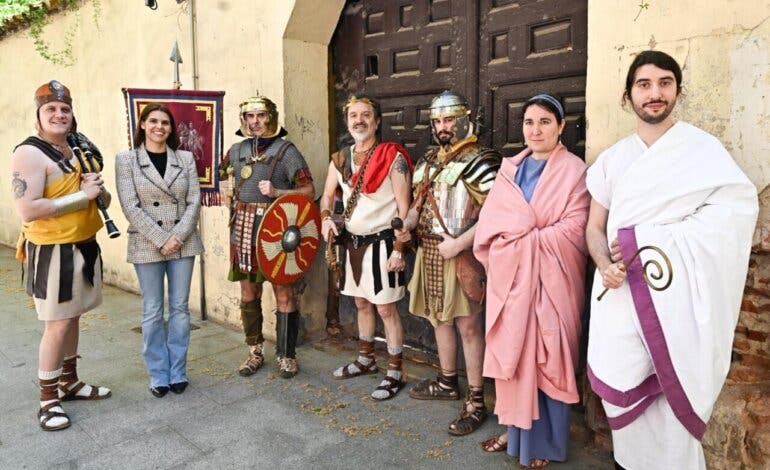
[{"x": 535, "y": 290}]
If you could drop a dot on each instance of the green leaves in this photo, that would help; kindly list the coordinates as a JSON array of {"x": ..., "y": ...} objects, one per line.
[
  {"x": 11, "y": 8},
  {"x": 36, "y": 14}
]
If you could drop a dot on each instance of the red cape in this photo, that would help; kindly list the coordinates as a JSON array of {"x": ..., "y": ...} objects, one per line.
[{"x": 379, "y": 166}]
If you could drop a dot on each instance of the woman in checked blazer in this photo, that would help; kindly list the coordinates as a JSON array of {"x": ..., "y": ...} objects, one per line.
[{"x": 160, "y": 196}]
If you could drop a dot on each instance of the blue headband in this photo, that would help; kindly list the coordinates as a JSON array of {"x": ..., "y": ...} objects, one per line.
[{"x": 551, "y": 100}]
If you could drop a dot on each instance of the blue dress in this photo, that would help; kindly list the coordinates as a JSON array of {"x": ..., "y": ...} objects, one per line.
[{"x": 549, "y": 435}]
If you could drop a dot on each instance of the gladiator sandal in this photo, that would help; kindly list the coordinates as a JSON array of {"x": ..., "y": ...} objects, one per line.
[
  {"x": 71, "y": 388},
  {"x": 473, "y": 414},
  {"x": 443, "y": 387},
  {"x": 365, "y": 363},
  {"x": 253, "y": 361},
  {"x": 288, "y": 368},
  {"x": 393, "y": 381},
  {"x": 50, "y": 406}
]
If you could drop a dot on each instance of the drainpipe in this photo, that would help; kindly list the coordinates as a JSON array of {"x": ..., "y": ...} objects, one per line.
[{"x": 194, "y": 41}]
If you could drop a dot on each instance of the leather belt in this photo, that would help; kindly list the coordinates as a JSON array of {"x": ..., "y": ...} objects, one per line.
[{"x": 363, "y": 240}]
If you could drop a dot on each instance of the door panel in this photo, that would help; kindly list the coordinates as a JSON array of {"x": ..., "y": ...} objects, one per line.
[
  {"x": 508, "y": 101},
  {"x": 528, "y": 47}
]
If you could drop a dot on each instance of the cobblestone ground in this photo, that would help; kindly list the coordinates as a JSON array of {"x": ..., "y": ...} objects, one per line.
[{"x": 222, "y": 420}]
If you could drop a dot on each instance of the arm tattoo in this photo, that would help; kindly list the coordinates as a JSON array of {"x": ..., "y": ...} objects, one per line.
[
  {"x": 19, "y": 185},
  {"x": 401, "y": 165}
]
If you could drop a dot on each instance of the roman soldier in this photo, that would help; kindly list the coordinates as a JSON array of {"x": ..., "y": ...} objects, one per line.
[
  {"x": 450, "y": 185},
  {"x": 260, "y": 169}
]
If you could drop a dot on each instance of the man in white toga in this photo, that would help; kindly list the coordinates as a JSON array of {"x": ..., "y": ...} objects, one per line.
[{"x": 660, "y": 339}]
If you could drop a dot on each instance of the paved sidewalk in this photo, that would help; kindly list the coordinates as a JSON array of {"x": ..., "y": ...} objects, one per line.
[{"x": 222, "y": 420}]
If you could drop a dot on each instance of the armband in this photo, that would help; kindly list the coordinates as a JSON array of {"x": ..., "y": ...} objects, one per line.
[{"x": 70, "y": 203}]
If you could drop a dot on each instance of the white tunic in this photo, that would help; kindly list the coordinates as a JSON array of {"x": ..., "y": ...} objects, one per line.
[
  {"x": 373, "y": 213},
  {"x": 658, "y": 359}
]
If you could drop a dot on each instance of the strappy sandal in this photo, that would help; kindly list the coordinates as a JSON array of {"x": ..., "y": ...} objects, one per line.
[
  {"x": 539, "y": 463},
  {"x": 44, "y": 415},
  {"x": 371, "y": 368},
  {"x": 494, "y": 444},
  {"x": 431, "y": 389},
  {"x": 471, "y": 418},
  {"x": 392, "y": 387},
  {"x": 70, "y": 392},
  {"x": 288, "y": 367},
  {"x": 253, "y": 362}
]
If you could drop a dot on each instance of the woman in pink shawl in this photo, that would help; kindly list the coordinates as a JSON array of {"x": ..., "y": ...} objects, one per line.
[{"x": 533, "y": 226}]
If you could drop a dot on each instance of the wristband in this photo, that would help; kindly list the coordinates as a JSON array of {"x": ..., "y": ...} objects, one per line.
[
  {"x": 326, "y": 214},
  {"x": 396, "y": 254}
]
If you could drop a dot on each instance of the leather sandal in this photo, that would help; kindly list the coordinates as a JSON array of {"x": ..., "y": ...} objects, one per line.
[
  {"x": 392, "y": 387},
  {"x": 537, "y": 463},
  {"x": 253, "y": 361},
  {"x": 348, "y": 373},
  {"x": 431, "y": 389},
  {"x": 471, "y": 418},
  {"x": 70, "y": 392},
  {"x": 287, "y": 366},
  {"x": 494, "y": 444},
  {"x": 45, "y": 415}
]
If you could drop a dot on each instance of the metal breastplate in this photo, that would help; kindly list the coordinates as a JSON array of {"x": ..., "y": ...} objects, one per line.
[{"x": 455, "y": 205}]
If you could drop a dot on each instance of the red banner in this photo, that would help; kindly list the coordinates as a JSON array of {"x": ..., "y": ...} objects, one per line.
[{"x": 198, "y": 116}]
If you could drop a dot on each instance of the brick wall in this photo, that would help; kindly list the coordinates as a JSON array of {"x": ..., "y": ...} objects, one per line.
[{"x": 739, "y": 430}]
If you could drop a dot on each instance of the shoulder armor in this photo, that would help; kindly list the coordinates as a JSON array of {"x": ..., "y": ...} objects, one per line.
[{"x": 482, "y": 169}]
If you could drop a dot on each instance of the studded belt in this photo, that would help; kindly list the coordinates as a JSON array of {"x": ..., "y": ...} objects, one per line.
[{"x": 261, "y": 207}]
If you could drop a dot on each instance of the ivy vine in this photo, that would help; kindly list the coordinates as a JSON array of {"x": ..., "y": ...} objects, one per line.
[{"x": 37, "y": 15}]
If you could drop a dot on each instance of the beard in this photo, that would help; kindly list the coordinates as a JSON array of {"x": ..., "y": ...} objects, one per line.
[
  {"x": 360, "y": 136},
  {"x": 445, "y": 138},
  {"x": 654, "y": 119}
]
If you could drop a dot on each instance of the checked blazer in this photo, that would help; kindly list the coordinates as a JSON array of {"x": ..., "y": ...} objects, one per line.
[{"x": 158, "y": 207}]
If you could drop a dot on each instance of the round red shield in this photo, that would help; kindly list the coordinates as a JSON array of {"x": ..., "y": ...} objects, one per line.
[{"x": 288, "y": 238}]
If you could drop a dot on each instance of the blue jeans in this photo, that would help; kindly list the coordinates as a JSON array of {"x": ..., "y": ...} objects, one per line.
[{"x": 165, "y": 354}]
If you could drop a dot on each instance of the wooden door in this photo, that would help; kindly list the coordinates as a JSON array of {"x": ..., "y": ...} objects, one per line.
[
  {"x": 497, "y": 53},
  {"x": 404, "y": 52},
  {"x": 528, "y": 47}
]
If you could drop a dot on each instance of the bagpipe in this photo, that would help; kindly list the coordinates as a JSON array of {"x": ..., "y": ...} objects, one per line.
[{"x": 91, "y": 161}]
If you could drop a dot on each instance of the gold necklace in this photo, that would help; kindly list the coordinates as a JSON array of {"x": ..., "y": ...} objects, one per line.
[{"x": 360, "y": 155}]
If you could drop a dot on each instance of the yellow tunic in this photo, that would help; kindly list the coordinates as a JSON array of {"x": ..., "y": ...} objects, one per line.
[{"x": 68, "y": 228}]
